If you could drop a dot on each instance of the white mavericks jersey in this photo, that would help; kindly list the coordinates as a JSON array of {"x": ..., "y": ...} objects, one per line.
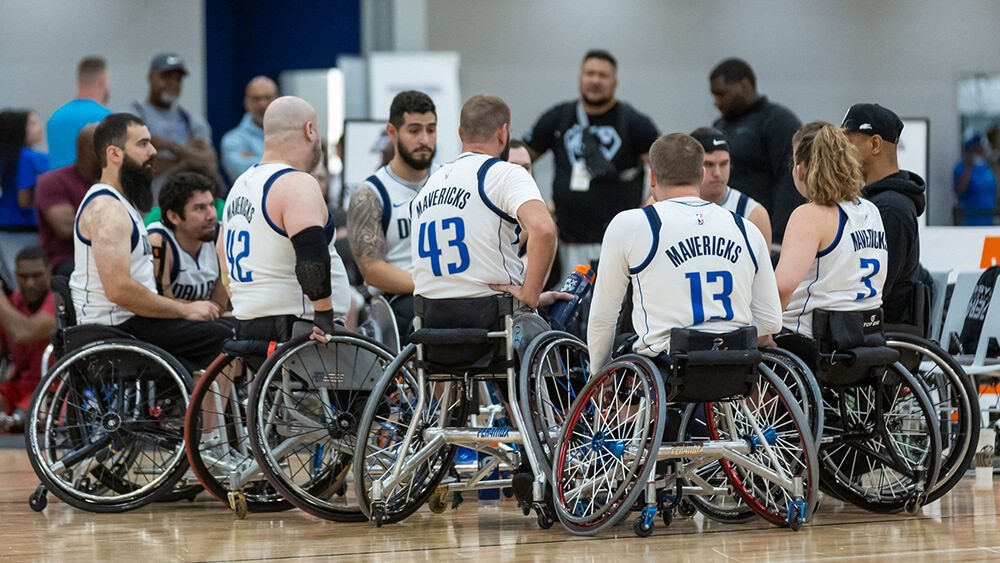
[
  {"x": 261, "y": 258},
  {"x": 739, "y": 202},
  {"x": 192, "y": 278},
  {"x": 849, "y": 274},
  {"x": 465, "y": 231},
  {"x": 91, "y": 304},
  {"x": 396, "y": 195},
  {"x": 692, "y": 264}
]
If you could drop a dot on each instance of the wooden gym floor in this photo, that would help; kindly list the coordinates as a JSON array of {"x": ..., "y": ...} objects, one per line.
[{"x": 964, "y": 526}]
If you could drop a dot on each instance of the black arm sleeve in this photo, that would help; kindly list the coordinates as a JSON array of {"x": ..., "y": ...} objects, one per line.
[{"x": 312, "y": 262}]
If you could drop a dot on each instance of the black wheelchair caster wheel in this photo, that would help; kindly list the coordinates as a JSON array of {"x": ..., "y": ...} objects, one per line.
[
  {"x": 544, "y": 520},
  {"x": 795, "y": 518},
  {"x": 685, "y": 509},
  {"x": 668, "y": 517},
  {"x": 640, "y": 528},
  {"x": 39, "y": 499}
]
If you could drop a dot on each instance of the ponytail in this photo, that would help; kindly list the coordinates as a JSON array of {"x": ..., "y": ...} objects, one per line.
[{"x": 833, "y": 172}]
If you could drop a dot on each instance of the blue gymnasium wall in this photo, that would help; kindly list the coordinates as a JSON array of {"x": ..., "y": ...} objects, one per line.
[{"x": 246, "y": 38}]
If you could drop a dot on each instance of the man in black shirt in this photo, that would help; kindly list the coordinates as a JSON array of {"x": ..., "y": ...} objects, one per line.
[
  {"x": 760, "y": 141},
  {"x": 600, "y": 146},
  {"x": 899, "y": 196}
]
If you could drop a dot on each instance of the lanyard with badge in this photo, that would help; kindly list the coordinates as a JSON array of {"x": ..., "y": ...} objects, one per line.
[{"x": 579, "y": 179}]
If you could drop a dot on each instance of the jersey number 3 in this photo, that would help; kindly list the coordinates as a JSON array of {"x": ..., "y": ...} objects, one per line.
[
  {"x": 867, "y": 280},
  {"x": 427, "y": 245},
  {"x": 242, "y": 239},
  {"x": 698, "y": 306}
]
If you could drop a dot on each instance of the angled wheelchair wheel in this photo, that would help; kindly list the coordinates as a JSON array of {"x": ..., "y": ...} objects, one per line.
[
  {"x": 105, "y": 429},
  {"x": 380, "y": 324},
  {"x": 799, "y": 379},
  {"x": 781, "y": 469},
  {"x": 725, "y": 508},
  {"x": 218, "y": 439},
  {"x": 553, "y": 371},
  {"x": 304, "y": 408},
  {"x": 882, "y": 442},
  {"x": 390, "y": 413},
  {"x": 608, "y": 445},
  {"x": 954, "y": 397}
]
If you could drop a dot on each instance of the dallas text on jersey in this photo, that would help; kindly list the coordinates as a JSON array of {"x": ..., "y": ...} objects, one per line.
[
  {"x": 240, "y": 206},
  {"x": 693, "y": 247},
  {"x": 448, "y": 195}
]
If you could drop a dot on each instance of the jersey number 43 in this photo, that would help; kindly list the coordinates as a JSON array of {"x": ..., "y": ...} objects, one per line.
[{"x": 427, "y": 244}]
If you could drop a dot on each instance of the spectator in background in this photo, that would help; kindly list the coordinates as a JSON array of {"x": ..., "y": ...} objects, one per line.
[
  {"x": 600, "y": 145},
  {"x": 26, "y": 320},
  {"x": 519, "y": 154},
  {"x": 92, "y": 91},
  {"x": 20, "y": 166},
  {"x": 975, "y": 184},
  {"x": 180, "y": 136},
  {"x": 241, "y": 147},
  {"x": 58, "y": 195},
  {"x": 760, "y": 141}
]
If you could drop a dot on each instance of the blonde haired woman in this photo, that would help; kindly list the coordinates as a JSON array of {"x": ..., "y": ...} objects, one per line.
[{"x": 834, "y": 252}]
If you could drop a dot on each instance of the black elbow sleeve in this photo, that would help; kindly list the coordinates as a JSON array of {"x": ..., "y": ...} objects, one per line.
[{"x": 312, "y": 262}]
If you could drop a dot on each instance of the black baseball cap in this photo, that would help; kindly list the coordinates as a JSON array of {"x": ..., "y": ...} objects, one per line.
[
  {"x": 711, "y": 139},
  {"x": 166, "y": 62},
  {"x": 873, "y": 119}
]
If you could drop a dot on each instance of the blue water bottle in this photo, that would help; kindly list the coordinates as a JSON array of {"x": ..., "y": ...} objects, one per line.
[{"x": 579, "y": 282}]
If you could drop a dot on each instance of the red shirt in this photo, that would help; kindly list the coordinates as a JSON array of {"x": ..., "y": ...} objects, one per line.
[
  {"x": 62, "y": 185},
  {"x": 27, "y": 357}
]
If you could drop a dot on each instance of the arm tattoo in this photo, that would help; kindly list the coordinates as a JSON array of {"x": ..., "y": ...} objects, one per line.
[{"x": 364, "y": 227}]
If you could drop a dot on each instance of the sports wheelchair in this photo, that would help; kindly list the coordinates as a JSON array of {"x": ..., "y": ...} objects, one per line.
[
  {"x": 104, "y": 431},
  {"x": 880, "y": 447},
  {"x": 739, "y": 419},
  {"x": 418, "y": 413}
]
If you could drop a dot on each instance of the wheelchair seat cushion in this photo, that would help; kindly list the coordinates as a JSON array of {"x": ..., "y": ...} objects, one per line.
[
  {"x": 80, "y": 335},
  {"x": 453, "y": 332}
]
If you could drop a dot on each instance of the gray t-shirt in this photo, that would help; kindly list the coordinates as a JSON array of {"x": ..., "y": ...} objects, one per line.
[{"x": 176, "y": 124}]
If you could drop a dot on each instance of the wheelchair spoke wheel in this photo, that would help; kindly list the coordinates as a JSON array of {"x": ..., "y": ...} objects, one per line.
[
  {"x": 105, "y": 430},
  {"x": 305, "y": 405},
  {"x": 799, "y": 379},
  {"x": 388, "y": 416},
  {"x": 607, "y": 447},
  {"x": 218, "y": 439}
]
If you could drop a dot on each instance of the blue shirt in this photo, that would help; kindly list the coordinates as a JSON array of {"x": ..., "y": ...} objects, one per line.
[
  {"x": 30, "y": 165},
  {"x": 246, "y": 137},
  {"x": 980, "y": 196},
  {"x": 64, "y": 126}
]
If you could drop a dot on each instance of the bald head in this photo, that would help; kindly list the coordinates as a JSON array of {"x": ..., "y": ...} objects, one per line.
[
  {"x": 87, "y": 163},
  {"x": 291, "y": 133},
  {"x": 261, "y": 91}
]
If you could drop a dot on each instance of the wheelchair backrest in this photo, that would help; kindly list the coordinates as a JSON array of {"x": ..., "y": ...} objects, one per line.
[
  {"x": 705, "y": 367},
  {"x": 851, "y": 346},
  {"x": 61, "y": 296},
  {"x": 452, "y": 332}
]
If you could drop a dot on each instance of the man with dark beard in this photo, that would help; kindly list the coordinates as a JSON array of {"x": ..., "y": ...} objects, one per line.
[
  {"x": 113, "y": 282},
  {"x": 378, "y": 220},
  {"x": 600, "y": 145},
  {"x": 184, "y": 259}
]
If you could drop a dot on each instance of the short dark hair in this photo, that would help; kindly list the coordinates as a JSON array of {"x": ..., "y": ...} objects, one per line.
[
  {"x": 410, "y": 101},
  {"x": 517, "y": 144},
  {"x": 177, "y": 189},
  {"x": 677, "y": 160},
  {"x": 90, "y": 68},
  {"x": 481, "y": 116},
  {"x": 32, "y": 253},
  {"x": 113, "y": 130},
  {"x": 601, "y": 54},
  {"x": 734, "y": 70}
]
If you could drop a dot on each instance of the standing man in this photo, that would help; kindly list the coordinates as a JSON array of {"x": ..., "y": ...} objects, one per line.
[
  {"x": 975, "y": 184},
  {"x": 600, "y": 146},
  {"x": 378, "y": 219},
  {"x": 58, "y": 195},
  {"x": 92, "y": 91},
  {"x": 715, "y": 187},
  {"x": 277, "y": 235},
  {"x": 760, "y": 141},
  {"x": 113, "y": 282},
  {"x": 470, "y": 215},
  {"x": 721, "y": 287},
  {"x": 899, "y": 196},
  {"x": 243, "y": 146},
  {"x": 184, "y": 260},
  {"x": 26, "y": 321},
  {"x": 179, "y": 135}
]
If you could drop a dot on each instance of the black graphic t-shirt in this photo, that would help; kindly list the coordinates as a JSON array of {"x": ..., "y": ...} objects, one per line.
[
  {"x": 976, "y": 313},
  {"x": 624, "y": 135}
]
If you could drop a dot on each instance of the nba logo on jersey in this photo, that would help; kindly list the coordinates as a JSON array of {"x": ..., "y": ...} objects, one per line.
[{"x": 701, "y": 218}]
